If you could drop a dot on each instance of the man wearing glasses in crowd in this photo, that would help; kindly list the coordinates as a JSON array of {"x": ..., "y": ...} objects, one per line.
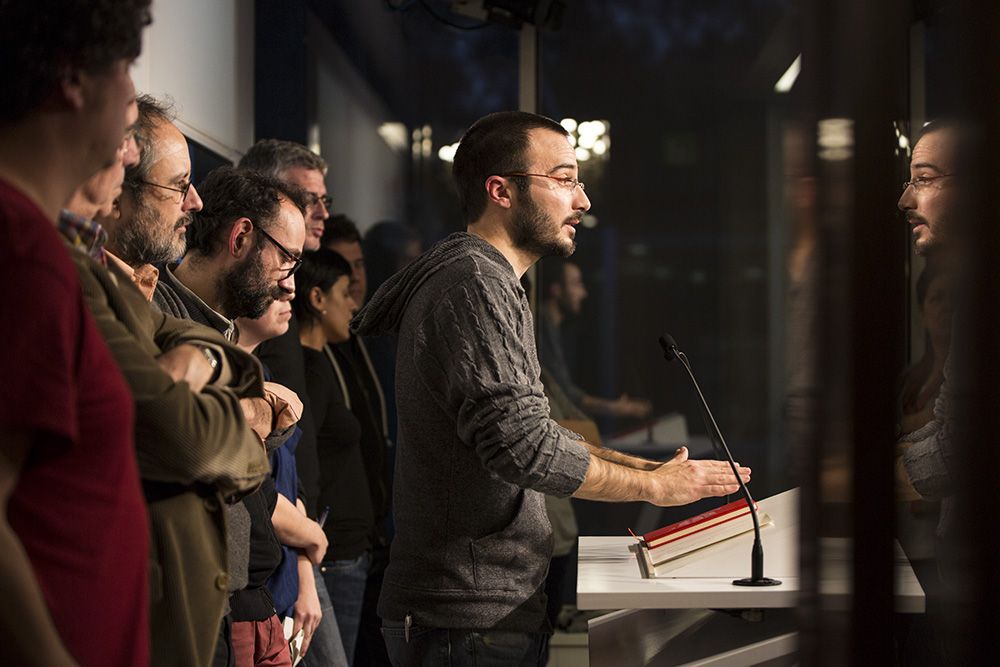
[
  {"x": 243, "y": 247},
  {"x": 148, "y": 226}
]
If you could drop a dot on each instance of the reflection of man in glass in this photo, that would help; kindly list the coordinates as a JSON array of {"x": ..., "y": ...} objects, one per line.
[
  {"x": 563, "y": 293},
  {"x": 930, "y": 198},
  {"x": 931, "y": 201},
  {"x": 934, "y": 201}
]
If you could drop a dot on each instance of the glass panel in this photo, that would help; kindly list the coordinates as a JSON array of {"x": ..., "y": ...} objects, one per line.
[{"x": 678, "y": 128}]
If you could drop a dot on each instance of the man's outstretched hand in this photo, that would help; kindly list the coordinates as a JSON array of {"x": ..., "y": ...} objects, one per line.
[{"x": 680, "y": 481}]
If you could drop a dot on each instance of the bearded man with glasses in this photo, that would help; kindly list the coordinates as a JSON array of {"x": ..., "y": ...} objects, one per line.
[
  {"x": 148, "y": 224},
  {"x": 243, "y": 247}
]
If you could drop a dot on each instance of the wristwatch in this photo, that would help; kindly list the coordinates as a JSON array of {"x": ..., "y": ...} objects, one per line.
[{"x": 213, "y": 360}]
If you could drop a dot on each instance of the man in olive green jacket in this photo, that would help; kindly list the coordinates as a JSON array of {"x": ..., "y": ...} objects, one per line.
[{"x": 194, "y": 444}]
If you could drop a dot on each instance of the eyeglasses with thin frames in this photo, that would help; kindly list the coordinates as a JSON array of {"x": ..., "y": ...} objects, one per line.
[
  {"x": 184, "y": 190},
  {"x": 565, "y": 181},
  {"x": 923, "y": 182},
  {"x": 289, "y": 255},
  {"x": 313, "y": 199}
]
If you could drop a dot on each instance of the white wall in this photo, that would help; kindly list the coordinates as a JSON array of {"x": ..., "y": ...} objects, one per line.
[
  {"x": 200, "y": 54},
  {"x": 366, "y": 178}
]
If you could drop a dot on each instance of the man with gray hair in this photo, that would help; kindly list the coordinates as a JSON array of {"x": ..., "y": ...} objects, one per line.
[
  {"x": 149, "y": 224},
  {"x": 297, "y": 165}
]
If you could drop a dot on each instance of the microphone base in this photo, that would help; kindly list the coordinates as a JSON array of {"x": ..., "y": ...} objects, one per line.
[{"x": 750, "y": 581}]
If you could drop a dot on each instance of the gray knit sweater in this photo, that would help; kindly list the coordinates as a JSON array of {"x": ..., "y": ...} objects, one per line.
[{"x": 477, "y": 448}]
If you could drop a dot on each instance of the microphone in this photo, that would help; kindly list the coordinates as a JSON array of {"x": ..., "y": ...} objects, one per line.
[{"x": 757, "y": 578}]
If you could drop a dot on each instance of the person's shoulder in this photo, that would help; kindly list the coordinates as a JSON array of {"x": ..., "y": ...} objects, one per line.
[
  {"x": 481, "y": 273},
  {"x": 32, "y": 245},
  {"x": 315, "y": 363}
]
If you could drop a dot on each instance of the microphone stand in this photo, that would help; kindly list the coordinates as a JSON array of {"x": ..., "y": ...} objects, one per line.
[{"x": 756, "y": 578}]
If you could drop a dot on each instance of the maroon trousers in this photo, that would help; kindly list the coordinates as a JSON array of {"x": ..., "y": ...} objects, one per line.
[{"x": 260, "y": 644}]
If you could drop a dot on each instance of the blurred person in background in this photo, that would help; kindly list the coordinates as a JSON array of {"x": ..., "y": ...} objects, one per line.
[{"x": 371, "y": 407}]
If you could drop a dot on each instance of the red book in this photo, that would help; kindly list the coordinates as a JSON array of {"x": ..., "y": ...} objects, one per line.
[{"x": 723, "y": 519}]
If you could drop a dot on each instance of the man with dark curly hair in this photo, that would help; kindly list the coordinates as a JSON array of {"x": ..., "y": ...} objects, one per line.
[{"x": 73, "y": 527}]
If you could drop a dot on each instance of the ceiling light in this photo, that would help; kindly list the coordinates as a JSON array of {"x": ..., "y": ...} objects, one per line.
[{"x": 787, "y": 79}]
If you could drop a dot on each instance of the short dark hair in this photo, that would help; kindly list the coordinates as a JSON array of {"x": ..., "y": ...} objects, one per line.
[
  {"x": 321, "y": 269},
  {"x": 152, "y": 113},
  {"x": 228, "y": 193},
  {"x": 41, "y": 39},
  {"x": 967, "y": 141},
  {"x": 495, "y": 144},
  {"x": 274, "y": 156},
  {"x": 339, "y": 229}
]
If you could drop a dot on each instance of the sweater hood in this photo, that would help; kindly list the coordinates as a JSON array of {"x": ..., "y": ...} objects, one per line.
[{"x": 384, "y": 311}]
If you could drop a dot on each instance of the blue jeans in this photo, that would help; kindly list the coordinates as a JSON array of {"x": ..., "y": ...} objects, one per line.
[
  {"x": 345, "y": 580},
  {"x": 326, "y": 649},
  {"x": 437, "y": 647}
]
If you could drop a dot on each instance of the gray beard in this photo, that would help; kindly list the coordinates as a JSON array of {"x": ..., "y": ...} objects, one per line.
[{"x": 136, "y": 242}]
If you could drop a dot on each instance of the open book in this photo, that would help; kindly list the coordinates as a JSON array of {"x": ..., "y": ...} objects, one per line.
[{"x": 699, "y": 531}]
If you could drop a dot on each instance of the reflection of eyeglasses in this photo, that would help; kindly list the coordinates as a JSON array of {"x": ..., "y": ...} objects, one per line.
[
  {"x": 296, "y": 260},
  {"x": 922, "y": 182},
  {"x": 313, "y": 199},
  {"x": 564, "y": 181},
  {"x": 183, "y": 190}
]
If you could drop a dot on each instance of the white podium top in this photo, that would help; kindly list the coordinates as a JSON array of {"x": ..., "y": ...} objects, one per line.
[{"x": 611, "y": 576}]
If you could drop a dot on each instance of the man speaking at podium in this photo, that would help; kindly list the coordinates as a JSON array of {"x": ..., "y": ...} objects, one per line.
[{"x": 477, "y": 449}]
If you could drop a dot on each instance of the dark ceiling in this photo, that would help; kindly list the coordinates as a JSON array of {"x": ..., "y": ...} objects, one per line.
[{"x": 615, "y": 53}]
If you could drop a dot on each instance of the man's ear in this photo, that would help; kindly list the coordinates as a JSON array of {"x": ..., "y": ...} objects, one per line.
[
  {"x": 498, "y": 190},
  {"x": 240, "y": 241},
  {"x": 71, "y": 88}
]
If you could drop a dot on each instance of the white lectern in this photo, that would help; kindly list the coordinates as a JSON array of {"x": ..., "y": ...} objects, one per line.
[{"x": 669, "y": 620}]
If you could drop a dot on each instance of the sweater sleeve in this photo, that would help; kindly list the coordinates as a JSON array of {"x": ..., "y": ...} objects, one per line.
[
  {"x": 472, "y": 356},
  {"x": 928, "y": 459}
]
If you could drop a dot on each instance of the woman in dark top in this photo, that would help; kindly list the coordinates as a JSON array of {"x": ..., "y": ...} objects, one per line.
[{"x": 324, "y": 309}]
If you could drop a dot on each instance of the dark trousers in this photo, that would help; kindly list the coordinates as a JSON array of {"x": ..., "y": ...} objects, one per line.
[
  {"x": 437, "y": 647},
  {"x": 370, "y": 648},
  {"x": 224, "y": 655}
]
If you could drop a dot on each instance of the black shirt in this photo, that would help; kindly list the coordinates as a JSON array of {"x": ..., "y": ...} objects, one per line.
[
  {"x": 254, "y": 602},
  {"x": 343, "y": 480},
  {"x": 367, "y": 408}
]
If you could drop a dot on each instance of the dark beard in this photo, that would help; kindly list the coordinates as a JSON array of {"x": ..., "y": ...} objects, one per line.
[
  {"x": 246, "y": 290},
  {"x": 533, "y": 233},
  {"x": 940, "y": 234},
  {"x": 140, "y": 240}
]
